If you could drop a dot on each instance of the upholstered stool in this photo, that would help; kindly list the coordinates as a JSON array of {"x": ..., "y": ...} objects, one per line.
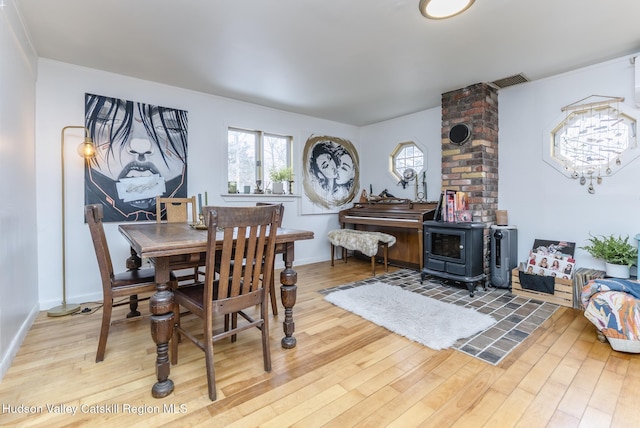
[{"x": 364, "y": 241}]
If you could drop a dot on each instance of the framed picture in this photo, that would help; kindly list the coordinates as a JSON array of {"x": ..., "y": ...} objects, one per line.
[
  {"x": 331, "y": 169},
  {"x": 141, "y": 153},
  {"x": 464, "y": 216}
]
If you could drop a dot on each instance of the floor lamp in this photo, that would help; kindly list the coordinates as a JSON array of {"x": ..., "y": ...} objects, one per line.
[{"x": 86, "y": 150}]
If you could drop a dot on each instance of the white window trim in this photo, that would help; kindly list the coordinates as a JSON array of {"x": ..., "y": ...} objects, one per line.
[{"x": 548, "y": 142}]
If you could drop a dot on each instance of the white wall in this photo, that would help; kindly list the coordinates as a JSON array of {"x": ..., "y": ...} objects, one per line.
[
  {"x": 18, "y": 240},
  {"x": 379, "y": 140},
  {"x": 541, "y": 201},
  {"x": 60, "y": 96}
]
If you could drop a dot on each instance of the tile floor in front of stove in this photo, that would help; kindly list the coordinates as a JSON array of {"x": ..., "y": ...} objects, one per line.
[{"x": 516, "y": 317}]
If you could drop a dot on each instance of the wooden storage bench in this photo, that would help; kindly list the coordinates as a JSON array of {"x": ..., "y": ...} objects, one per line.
[{"x": 562, "y": 294}]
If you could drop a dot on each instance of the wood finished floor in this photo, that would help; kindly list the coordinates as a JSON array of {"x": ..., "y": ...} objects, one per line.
[{"x": 344, "y": 372}]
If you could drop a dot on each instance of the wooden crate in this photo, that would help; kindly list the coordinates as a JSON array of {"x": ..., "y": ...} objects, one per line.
[{"x": 562, "y": 293}]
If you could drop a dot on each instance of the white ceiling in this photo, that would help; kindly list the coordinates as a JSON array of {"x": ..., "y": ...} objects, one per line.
[{"x": 352, "y": 61}]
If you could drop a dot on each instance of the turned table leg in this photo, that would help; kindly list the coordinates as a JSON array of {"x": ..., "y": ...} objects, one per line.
[
  {"x": 134, "y": 262},
  {"x": 162, "y": 319},
  {"x": 288, "y": 291}
]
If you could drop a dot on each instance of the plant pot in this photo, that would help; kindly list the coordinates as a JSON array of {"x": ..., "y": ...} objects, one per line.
[
  {"x": 617, "y": 271},
  {"x": 278, "y": 188}
]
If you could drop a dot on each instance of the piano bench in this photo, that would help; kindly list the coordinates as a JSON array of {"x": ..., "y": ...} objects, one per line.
[{"x": 364, "y": 241}]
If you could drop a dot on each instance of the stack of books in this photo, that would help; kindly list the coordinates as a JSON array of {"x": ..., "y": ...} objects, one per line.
[{"x": 453, "y": 206}]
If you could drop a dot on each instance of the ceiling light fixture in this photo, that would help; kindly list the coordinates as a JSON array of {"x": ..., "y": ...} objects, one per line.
[{"x": 441, "y": 9}]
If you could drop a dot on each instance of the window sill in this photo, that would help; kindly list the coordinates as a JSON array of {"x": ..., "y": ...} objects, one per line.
[{"x": 257, "y": 197}]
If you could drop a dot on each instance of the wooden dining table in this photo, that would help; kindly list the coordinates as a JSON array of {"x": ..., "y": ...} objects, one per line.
[{"x": 162, "y": 243}]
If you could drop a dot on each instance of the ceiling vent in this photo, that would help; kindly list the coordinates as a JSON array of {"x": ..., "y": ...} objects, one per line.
[{"x": 510, "y": 81}]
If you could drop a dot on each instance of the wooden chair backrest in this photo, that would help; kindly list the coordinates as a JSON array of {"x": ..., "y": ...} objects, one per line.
[
  {"x": 262, "y": 204},
  {"x": 176, "y": 209},
  {"x": 254, "y": 231},
  {"x": 94, "y": 215},
  {"x": 206, "y": 209}
]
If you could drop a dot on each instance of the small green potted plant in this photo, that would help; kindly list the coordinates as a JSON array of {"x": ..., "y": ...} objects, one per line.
[
  {"x": 618, "y": 254},
  {"x": 278, "y": 177}
]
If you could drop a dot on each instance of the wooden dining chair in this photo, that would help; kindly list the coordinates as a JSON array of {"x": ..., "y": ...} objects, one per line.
[
  {"x": 181, "y": 210},
  {"x": 115, "y": 285},
  {"x": 248, "y": 233},
  {"x": 272, "y": 284},
  {"x": 176, "y": 210}
]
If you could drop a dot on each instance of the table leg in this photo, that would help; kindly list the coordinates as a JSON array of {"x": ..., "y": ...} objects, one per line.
[
  {"x": 161, "y": 307},
  {"x": 134, "y": 262},
  {"x": 288, "y": 290}
]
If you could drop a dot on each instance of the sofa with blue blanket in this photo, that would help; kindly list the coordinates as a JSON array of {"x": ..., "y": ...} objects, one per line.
[{"x": 613, "y": 306}]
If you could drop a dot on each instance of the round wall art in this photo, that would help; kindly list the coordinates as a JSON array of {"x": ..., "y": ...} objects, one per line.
[{"x": 331, "y": 171}]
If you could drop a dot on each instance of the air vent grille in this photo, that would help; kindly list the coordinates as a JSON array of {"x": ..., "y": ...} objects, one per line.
[{"x": 510, "y": 81}]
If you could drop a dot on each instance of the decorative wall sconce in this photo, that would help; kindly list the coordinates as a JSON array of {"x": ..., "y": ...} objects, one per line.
[
  {"x": 86, "y": 150},
  {"x": 593, "y": 138}
]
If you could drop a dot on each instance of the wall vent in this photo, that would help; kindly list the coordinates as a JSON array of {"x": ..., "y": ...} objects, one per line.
[{"x": 510, "y": 81}]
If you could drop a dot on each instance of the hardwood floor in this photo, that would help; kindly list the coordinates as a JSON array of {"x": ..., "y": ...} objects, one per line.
[{"x": 344, "y": 372}]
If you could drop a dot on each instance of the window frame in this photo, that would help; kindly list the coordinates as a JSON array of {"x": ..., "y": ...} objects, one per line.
[
  {"x": 552, "y": 153},
  {"x": 260, "y": 171},
  {"x": 397, "y": 150}
]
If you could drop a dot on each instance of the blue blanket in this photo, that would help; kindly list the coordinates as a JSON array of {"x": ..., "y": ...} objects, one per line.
[{"x": 615, "y": 284}]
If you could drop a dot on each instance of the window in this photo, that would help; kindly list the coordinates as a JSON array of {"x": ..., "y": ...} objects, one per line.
[
  {"x": 253, "y": 154},
  {"x": 592, "y": 140},
  {"x": 406, "y": 156}
]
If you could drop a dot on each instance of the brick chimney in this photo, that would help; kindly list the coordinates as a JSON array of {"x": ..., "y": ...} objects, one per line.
[{"x": 473, "y": 166}]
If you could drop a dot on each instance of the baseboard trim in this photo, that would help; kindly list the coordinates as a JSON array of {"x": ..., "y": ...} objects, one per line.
[{"x": 17, "y": 340}]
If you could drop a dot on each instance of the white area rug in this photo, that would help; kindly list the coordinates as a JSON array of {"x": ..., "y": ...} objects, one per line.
[{"x": 430, "y": 322}]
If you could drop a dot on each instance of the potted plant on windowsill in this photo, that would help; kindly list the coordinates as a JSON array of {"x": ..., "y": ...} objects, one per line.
[
  {"x": 278, "y": 177},
  {"x": 618, "y": 254}
]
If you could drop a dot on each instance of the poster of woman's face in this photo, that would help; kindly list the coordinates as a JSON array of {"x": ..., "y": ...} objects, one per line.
[
  {"x": 141, "y": 153},
  {"x": 331, "y": 171}
]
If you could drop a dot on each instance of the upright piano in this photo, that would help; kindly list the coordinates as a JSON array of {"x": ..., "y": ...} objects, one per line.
[{"x": 403, "y": 219}]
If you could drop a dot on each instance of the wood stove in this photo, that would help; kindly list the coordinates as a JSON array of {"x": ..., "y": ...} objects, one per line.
[{"x": 455, "y": 251}]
